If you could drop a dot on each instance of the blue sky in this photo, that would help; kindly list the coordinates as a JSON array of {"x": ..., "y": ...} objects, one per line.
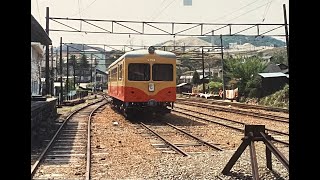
[{"x": 205, "y": 11}]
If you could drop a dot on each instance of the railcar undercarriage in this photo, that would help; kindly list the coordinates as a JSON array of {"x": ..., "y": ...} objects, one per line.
[{"x": 151, "y": 107}]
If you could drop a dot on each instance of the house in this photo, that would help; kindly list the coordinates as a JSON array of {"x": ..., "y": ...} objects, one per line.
[
  {"x": 284, "y": 68},
  {"x": 272, "y": 82},
  {"x": 184, "y": 87},
  {"x": 39, "y": 38},
  {"x": 101, "y": 79},
  {"x": 272, "y": 68},
  {"x": 187, "y": 76}
]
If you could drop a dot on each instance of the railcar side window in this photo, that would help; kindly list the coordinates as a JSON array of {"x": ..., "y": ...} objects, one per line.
[
  {"x": 162, "y": 72},
  {"x": 120, "y": 72},
  {"x": 138, "y": 72},
  {"x": 114, "y": 74}
]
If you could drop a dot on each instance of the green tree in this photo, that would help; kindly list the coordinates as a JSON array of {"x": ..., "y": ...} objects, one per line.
[
  {"x": 244, "y": 70},
  {"x": 179, "y": 72},
  {"x": 70, "y": 85},
  {"x": 196, "y": 78},
  {"x": 83, "y": 65},
  {"x": 215, "y": 86},
  {"x": 72, "y": 60},
  {"x": 280, "y": 57},
  {"x": 187, "y": 62}
]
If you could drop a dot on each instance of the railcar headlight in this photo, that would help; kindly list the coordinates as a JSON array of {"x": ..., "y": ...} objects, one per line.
[
  {"x": 151, "y": 50},
  {"x": 151, "y": 87}
]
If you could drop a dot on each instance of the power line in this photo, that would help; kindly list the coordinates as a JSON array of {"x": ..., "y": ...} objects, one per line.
[
  {"x": 248, "y": 12},
  {"x": 219, "y": 18},
  {"x": 163, "y": 9},
  {"x": 160, "y": 7},
  {"x": 266, "y": 10},
  {"x": 39, "y": 12},
  {"x": 84, "y": 8},
  {"x": 79, "y": 8},
  {"x": 80, "y": 14}
]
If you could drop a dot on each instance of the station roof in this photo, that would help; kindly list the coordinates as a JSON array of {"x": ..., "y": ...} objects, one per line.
[
  {"x": 38, "y": 34},
  {"x": 101, "y": 72},
  {"x": 182, "y": 84}
]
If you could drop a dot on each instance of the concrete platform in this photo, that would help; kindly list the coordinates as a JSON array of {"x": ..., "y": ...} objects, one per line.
[{"x": 42, "y": 110}]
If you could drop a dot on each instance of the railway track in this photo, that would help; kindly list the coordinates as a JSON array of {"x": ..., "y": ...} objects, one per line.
[
  {"x": 232, "y": 124},
  {"x": 237, "y": 111},
  {"x": 242, "y": 105},
  {"x": 67, "y": 155},
  {"x": 188, "y": 143}
]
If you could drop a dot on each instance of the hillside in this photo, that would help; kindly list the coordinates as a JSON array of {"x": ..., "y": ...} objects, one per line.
[
  {"x": 278, "y": 99},
  {"x": 259, "y": 41},
  {"x": 77, "y": 47},
  {"x": 188, "y": 41}
]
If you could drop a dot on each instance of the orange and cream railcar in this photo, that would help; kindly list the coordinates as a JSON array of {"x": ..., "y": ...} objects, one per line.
[{"x": 143, "y": 80}]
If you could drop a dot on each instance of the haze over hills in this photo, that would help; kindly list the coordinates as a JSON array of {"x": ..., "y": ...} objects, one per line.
[
  {"x": 226, "y": 40},
  {"x": 77, "y": 47},
  {"x": 241, "y": 39},
  {"x": 188, "y": 41},
  {"x": 197, "y": 41}
]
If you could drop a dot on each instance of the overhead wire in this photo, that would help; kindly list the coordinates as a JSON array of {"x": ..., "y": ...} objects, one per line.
[
  {"x": 248, "y": 12},
  {"x": 228, "y": 14},
  {"x": 159, "y": 7},
  {"x": 266, "y": 10},
  {"x": 163, "y": 10},
  {"x": 83, "y": 8},
  {"x": 39, "y": 12}
]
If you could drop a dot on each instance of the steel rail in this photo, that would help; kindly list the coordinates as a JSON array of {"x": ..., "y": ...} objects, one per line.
[
  {"x": 88, "y": 167},
  {"x": 166, "y": 141},
  {"x": 36, "y": 164},
  {"x": 235, "y": 128},
  {"x": 270, "y": 130},
  {"x": 198, "y": 139}
]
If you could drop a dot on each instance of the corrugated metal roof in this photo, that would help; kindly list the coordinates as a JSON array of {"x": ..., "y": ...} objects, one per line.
[
  {"x": 185, "y": 77},
  {"x": 276, "y": 74},
  {"x": 182, "y": 84}
]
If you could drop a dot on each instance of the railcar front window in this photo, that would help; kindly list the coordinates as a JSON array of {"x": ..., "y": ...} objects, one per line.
[
  {"x": 139, "y": 72},
  {"x": 162, "y": 72}
]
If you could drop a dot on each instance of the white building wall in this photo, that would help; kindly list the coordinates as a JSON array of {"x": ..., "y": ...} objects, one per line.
[{"x": 36, "y": 58}]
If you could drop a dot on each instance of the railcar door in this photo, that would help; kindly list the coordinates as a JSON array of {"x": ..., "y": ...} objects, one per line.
[{"x": 119, "y": 82}]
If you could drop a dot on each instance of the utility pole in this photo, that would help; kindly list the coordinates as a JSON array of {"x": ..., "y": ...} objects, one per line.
[
  {"x": 223, "y": 85},
  {"x": 67, "y": 83},
  {"x": 209, "y": 78},
  {"x": 74, "y": 73},
  {"x": 47, "y": 55},
  {"x": 286, "y": 29},
  {"x": 52, "y": 73},
  {"x": 61, "y": 85},
  {"x": 95, "y": 75},
  {"x": 203, "y": 83},
  {"x": 212, "y": 38},
  {"x": 91, "y": 73},
  {"x": 56, "y": 65}
]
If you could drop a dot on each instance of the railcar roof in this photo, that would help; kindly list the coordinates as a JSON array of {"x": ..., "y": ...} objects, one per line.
[{"x": 139, "y": 53}]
